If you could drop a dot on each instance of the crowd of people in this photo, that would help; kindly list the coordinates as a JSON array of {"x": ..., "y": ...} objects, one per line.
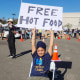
[
  {"x": 27, "y": 33},
  {"x": 75, "y": 33}
]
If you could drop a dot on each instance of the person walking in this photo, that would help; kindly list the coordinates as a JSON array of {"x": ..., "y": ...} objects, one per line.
[
  {"x": 79, "y": 32},
  {"x": 23, "y": 33},
  {"x": 55, "y": 34},
  {"x": 72, "y": 32},
  {"x": 75, "y": 31},
  {"x": 40, "y": 33},
  {"x": 30, "y": 34},
  {"x": 1, "y": 31},
  {"x": 11, "y": 39}
]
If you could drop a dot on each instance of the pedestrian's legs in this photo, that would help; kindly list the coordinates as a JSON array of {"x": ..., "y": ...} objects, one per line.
[
  {"x": 13, "y": 51},
  {"x": 2, "y": 35},
  {"x": 55, "y": 34},
  {"x": 40, "y": 35},
  {"x": 79, "y": 34},
  {"x": 10, "y": 48},
  {"x": 30, "y": 35},
  {"x": 23, "y": 36},
  {"x": 11, "y": 44},
  {"x": 74, "y": 35}
]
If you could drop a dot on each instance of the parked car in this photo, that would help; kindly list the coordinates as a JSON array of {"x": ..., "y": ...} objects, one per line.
[{"x": 17, "y": 35}]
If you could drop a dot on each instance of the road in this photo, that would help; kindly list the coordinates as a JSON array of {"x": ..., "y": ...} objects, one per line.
[{"x": 18, "y": 69}]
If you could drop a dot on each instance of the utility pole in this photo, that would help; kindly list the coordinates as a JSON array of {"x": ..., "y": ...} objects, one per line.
[{"x": 21, "y": 1}]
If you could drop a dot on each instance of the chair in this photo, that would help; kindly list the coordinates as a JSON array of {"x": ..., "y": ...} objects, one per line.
[
  {"x": 52, "y": 69},
  {"x": 30, "y": 68}
]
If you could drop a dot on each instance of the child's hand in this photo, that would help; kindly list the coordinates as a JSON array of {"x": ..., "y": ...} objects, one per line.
[
  {"x": 33, "y": 31},
  {"x": 33, "y": 40},
  {"x": 51, "y": 31},
  {"x": 50, "y": 50}
]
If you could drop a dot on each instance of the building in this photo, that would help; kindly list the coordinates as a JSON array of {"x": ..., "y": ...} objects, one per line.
[{"x": 71, "y": 18}]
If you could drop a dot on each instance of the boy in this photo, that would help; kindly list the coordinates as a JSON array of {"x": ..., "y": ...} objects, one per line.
[{"x": 41, "y": 59}]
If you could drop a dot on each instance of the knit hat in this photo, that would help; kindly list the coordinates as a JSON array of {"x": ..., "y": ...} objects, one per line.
[{"x": 41, "y": 44}]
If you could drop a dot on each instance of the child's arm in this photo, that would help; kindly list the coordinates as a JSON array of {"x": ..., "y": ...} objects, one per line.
[
  {"x": 33, "y": 41},
  {"x": 50, "y": 50}
]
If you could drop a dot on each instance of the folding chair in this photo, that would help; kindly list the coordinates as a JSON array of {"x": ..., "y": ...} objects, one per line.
[{"x": 30, "y": 68}]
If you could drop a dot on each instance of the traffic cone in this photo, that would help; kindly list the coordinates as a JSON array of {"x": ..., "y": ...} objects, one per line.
[
  {"x": 79, "y": 38},
  {"x": 43, "y": 40},
  {"x": 39, "y": 37},
  {"x": 68, "y": 37},
  {"x": 21, "y": 39},
  {"x": 55, "y": 54},
  {"x": 59, "y": 37},
  {"x": 6, "y": 38}
]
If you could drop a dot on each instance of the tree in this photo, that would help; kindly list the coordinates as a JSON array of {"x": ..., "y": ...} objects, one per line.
[
  {"x": 3, "y": 21},
  {"x": 15, "y": 21},
  {"x": 68, "y": 25}
]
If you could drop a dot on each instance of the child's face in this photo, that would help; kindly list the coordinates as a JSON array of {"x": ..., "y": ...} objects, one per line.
[{"x": 41, "y": 51}]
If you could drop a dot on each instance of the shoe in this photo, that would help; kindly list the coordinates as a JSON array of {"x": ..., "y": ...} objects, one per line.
[
  {"x": 10, "y": 56},
  {"x": 13, "y": 57}
]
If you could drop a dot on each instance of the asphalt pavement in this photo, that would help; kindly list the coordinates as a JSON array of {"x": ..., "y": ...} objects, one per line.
[{"x": 18, "y": 69}]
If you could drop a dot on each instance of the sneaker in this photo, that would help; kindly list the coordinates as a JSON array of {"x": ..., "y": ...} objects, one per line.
[
  {"x": 10, "y": 56},
  {"x": 13, "y": 57}
]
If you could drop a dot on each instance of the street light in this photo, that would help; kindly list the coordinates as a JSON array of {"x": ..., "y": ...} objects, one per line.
[{"x": 13, "y": 15}]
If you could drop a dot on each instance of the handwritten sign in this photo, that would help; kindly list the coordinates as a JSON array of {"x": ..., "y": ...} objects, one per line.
[{"x": 40, "y": 16}]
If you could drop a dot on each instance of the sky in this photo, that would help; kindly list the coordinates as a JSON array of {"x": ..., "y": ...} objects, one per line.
[{"x": 9, "y": 7}]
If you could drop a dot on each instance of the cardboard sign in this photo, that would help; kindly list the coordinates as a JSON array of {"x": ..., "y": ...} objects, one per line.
[{"x": 40, "y": 16}]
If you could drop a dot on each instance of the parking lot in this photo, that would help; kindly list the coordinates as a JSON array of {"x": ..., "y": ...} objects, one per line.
[{"x": 18, "y": 69}]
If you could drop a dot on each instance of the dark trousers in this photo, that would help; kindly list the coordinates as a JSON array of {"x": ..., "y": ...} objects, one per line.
[
  {"x": 11, "y": 44},
  {"x": 40, "y": 35},
  {"x": 55, "y": 34},
  {"x": 23, "y": 36},
  {"x": 74, "y": 35}
]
